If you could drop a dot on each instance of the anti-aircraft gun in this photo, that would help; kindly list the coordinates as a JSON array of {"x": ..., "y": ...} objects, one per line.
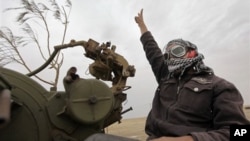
[{"x": 29, "y": 112}]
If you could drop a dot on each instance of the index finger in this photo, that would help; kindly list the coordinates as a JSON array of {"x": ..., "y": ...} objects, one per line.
[{"x": 141, "y": 13}]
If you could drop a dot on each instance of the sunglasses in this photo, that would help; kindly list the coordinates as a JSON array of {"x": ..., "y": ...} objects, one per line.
[{"x": 176, "y": 51}]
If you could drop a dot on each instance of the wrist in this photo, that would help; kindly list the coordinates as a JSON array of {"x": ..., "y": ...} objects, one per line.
[{"x": 143, "y": 29}]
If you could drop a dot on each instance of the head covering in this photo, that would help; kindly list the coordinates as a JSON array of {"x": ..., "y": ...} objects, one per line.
[
  {"x": 181, "y": 42},
  {"x": 181, "y": 64}
]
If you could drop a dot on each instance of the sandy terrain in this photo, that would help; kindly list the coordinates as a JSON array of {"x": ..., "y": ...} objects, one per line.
[{"x": 134, "y": 128}]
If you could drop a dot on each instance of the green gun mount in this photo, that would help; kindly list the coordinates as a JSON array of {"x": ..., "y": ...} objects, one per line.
[{"x": 29, "y": 112}]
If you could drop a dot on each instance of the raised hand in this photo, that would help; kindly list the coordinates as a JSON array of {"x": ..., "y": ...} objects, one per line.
[{"x": 139, "y": 20}]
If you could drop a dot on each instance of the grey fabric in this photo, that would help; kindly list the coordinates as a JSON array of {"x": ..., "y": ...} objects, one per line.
[{"x": 107, "y": 137}]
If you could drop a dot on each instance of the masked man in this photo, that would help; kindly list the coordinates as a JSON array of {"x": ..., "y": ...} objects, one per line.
[{"x": 191, "y": 103}]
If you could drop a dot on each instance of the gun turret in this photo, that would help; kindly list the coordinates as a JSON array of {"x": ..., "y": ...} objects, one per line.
[{"x": 86, "y": 106}]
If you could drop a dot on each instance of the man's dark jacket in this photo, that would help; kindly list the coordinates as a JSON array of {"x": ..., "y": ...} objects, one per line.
[{"x": 199, "y": 104}]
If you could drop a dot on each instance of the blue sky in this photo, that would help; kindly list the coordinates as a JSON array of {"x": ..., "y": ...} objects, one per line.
[{"x": 220, "y": 29}]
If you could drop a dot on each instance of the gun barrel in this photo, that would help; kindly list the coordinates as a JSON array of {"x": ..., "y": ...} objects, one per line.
[{"x": 127, "y": 110}]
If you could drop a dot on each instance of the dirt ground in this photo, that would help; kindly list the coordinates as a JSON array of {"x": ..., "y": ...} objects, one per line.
[
  {"x": 247, "y": 111},
  {"x": 131, "y": 128},
  {"x": 134, "y": 128}
]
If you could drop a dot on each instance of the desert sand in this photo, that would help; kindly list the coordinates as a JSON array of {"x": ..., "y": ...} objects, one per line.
[{"x": 134, "y": 128}]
